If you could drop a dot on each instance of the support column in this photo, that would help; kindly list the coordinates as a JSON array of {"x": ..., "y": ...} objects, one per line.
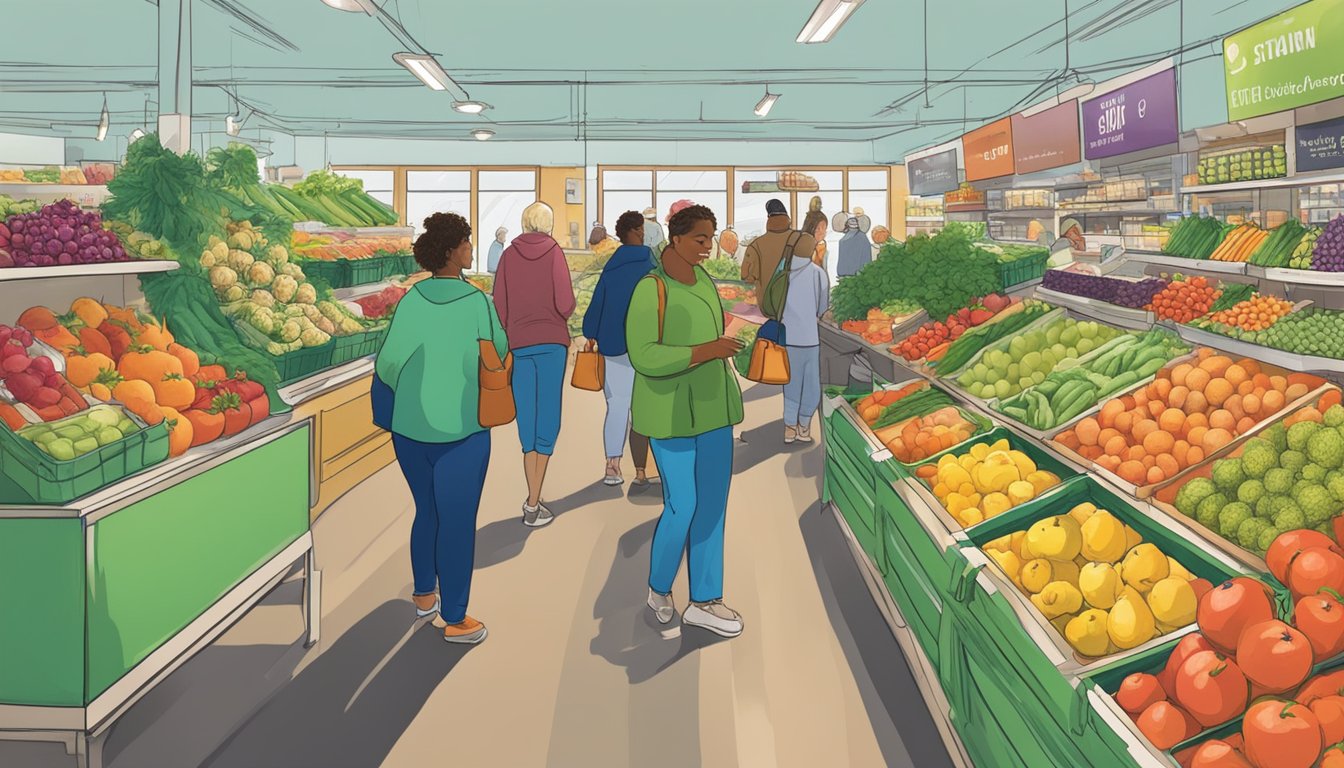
[{"x": 175, "y": 78}]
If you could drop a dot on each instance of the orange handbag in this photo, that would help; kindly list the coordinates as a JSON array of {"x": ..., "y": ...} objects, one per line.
[
  {"x": 769, "y": 363},
  {"x": 590, "y": 369},
  {"x": 495, "y": 406}
]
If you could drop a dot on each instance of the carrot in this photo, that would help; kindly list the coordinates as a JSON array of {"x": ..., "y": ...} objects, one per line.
[
  {"x": 12, "y": 418},
  {"x": 937, "y": 352}
]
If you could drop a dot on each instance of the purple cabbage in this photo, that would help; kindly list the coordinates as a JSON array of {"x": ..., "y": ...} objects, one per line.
[
  {"x": 1124, "y": 293},
  {"x": 61, "y": 233}
]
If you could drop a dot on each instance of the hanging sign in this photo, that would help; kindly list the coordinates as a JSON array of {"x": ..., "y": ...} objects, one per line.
[
  {"x": 1289, "y": 61},
  {"x": 989, "y": 151},
  {"x": 1135, "y": 117},
  {"x": 965, "y": 198},
  {"x": 1046, "y": 140},
  {"x": 1320, "y": 146},
  {"x": 933, "y": 175}
]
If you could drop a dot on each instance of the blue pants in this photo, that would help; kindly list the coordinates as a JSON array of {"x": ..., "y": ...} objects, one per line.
[
  {"x": 696, "y": 472},
  {"x": 446, "y": 481},
  {"x": 802, "y": 394},
  {"x": 538, "y": 382}
]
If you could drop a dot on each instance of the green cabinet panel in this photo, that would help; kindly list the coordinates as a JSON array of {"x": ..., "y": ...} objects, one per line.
[
  {"x": 850, "y": 488},
  {"x": 160, "y": 563},
  {"x": 42, "y": 605}
]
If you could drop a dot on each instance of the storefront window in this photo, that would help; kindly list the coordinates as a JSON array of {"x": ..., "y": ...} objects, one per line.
[
  {"x": 378, "y": 184},
  {"x": 429, "y": 192},
  {"x": 501, "y": 198},
  {"x": 868, "y": 191}
]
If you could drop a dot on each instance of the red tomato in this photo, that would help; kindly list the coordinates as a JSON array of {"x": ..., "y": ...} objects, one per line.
[
  {"x": 1216, "y": 753},
  {"x": 1230, "y": 608},
  {"x": 1329, "y": 710},
  {"x": 1166, "y": 725},
  {"x": 1211, "y": 688},
  {"x": 1187, "y": 647},
  {"x": 1138, "y": 692},
  {"x": 1334, "y": 756},
  {"x": 1281, "y": 734},
  {"x": 1321, "y": 619},
  {"x": 1315, "y": 569},
  {"x": 1288, "y": 545},
  {"x": 1328, "y": 684},
  {"x": 1274, "y": 656}
]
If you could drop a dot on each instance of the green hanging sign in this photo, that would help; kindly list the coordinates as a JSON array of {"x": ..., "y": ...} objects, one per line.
[{"x": 1289, "y": 61}]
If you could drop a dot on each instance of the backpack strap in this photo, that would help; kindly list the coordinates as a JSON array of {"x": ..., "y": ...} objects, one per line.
[{"x": 662, "y": 304}]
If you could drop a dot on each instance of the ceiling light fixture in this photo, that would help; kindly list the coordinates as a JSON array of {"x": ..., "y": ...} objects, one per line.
[
  {"x": 103, "y": 122},
  {"x": 766, "y": 103},
  {"x": 483, "y": 134},
  {"x": 470, "y": 107},
  {"x": 352, "y": 6},
  {"x": 426, "y": 69},
  {"x": 232, "y": 125},
  {"x": 827, "y": 19}
]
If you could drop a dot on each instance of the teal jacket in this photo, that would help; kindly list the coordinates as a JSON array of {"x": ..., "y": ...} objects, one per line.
[{"x": 430, "y": 359}]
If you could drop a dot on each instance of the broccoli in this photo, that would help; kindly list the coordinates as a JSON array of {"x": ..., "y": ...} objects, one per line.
[
  {"x": 1334, "y": 416},
  {"x": 1258, "y": 457},
  {"x": 1313, "y": 473},
  {"x": 1211, "y": 505},
  {"x": 1335, "y": 485},
  {"x": 1192, "y": 493},
  {"x": 1250, "y": 491},
  {"x": 1279, "y": 480},
  {"x": 1267, "y": 537},
  {"x": 1315, "y": 502},
  {"x": 1300, "y": 433},
  {"x": 1228, "y": 475},
  {"x": 1326, "y": 448},
  {"x": 1248, "y": 533},
  {"x": 1277, "y": 436},
  {"x": 1293, "y": 461},
  {"x": 1232, "y": 516},
  {"x": 1290, "y": 518},
  {"x": 1265, "y": 506}
]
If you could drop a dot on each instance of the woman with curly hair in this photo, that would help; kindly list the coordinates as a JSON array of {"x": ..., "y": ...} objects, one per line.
[
  {"x": 686, "y": 399},
  {"x": 426, "y": 394}
]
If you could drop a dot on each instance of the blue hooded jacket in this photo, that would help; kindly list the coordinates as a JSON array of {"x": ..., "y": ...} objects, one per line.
[{"x": 605, "y": 318}]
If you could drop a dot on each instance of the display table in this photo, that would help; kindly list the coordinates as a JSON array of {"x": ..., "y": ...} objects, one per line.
[{"x": 105, "y": 597}]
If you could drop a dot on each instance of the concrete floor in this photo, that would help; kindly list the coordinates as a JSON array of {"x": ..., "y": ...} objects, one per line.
[{"x": 575, "y": 672}]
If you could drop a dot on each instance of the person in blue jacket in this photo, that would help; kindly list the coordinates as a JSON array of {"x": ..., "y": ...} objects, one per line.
[{"x": 604, "y": 323}]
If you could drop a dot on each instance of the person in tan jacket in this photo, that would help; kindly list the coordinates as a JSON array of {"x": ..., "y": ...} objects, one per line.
[{"x": 766, "y": 251}]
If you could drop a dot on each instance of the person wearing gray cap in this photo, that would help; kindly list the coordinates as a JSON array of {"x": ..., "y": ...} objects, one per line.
[
  {"x": 653, "y": 231},
  {"x": 779, "y": 242}
]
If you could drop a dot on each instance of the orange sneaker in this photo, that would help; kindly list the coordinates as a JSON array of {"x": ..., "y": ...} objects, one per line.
[{"x": 468, "y": 632}]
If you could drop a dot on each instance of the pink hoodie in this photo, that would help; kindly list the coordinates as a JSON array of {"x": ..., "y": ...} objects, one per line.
[{"x": 533, "y": 293}]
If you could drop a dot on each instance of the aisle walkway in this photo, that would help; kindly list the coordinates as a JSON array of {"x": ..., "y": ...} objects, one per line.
[{"x": 575, "y": 672}]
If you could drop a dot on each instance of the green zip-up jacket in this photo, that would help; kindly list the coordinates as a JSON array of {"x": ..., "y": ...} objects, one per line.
[
  {"x": 431, "y": 359},
  {"x": 671, "y": 397}
]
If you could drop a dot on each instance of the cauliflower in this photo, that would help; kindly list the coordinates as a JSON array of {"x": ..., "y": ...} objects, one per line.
[
  {"x": 1315, "y": 502},
  {"x": 314, "y": 338},
  {"x": 310, "y": 312},
  {"x": 275, "y": 348},
  {"x": 290, "y": 330},
  {"x": 350, "y": 326},
  {"x": 1300, "y": 433},
  {"x": 292, "y": 269},
  {"x": 222, "y": 277},
  {"x": 1193, "y": 492},
  {"x": 260, "y": 274},
  {"x": 1228, "y": 475},
  {"x": 234, "y": 293},
  {"x": 306, "y": 294},
  {"x": 208, "y": 259},
  {"x": 213, "y": 241},
  {"x": 242, "y": 240},
  {"x": 1326, "y": 448},
  {"x": 294, "y": 310},
  {"x": 264, "y": 320},
  {"x": 240, "y": 260},
  {"x": 277, "y": 255},
  {"x": 284, "y": 288},
  {"x": 1258, "y": 457},
  {"x": 326, "y": 326},
  {"x": 331, "y": 310},
  {"x": 220, "y": 250},
  {"x": 263, "y": 298}
]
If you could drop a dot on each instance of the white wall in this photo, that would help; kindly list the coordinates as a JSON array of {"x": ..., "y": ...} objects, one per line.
[{"x": 18, "y": 149}]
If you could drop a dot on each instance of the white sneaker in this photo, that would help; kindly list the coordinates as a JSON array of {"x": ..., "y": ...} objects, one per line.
[
  {"x": 663, "y": 606},
  {"x": 790, "y": 435},
  {"x": 715, "y": 617},
  {"x": 536, "y": 517},
  {"x": 804, "y": 434}
]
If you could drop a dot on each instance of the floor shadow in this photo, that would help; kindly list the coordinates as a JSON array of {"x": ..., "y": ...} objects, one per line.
[
  {"x": 341, "y": 710},
  {"x": 628, "y": 635},
  {"x": 647, "y": 496},
  {"x": 902, "y": 724},
  {"x": 505, "y": 539},
  {"x": 760, "y": 392},
  {"x": 764, "y": 443}
]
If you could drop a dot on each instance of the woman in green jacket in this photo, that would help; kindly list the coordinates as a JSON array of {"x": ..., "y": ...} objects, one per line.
[
  {"x": 430, "y": 362},
  {"x": 686, "y": 399}
]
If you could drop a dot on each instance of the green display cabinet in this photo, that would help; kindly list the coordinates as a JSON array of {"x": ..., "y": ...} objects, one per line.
[
  {"x": 851, "y": 473},
  {"x": 106, "y": 596},
  {"x": 916, "y": 572}
]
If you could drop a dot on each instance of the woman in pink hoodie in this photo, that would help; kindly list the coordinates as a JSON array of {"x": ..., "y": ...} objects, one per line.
[{"x": 534, "y": 299}]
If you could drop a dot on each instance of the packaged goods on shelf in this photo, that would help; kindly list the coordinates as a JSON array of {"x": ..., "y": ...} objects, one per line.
[{"x": 1243, "y": 165}]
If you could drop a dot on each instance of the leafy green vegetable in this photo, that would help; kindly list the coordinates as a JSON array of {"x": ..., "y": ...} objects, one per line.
[{"x": 320, "y": 183}]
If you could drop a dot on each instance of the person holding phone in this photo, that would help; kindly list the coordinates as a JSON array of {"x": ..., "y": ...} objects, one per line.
[{"x": 686, "y": 399}]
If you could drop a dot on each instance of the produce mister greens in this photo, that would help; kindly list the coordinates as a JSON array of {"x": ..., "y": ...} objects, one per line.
[{"x": 941, "y": 274}]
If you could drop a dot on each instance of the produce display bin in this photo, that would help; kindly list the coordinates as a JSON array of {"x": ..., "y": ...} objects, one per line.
[
  {"x": 333, "y": 271},
  {"x": 1023, "y": 270},
  {"x": 357, "y": 345},
  {"x": 368, "y": 271},
  {"x": 292, "y": 366},
  {"x": 1039, "y": 323},
  {"x": 36, "y": 478},
  {"x": 850, "y": 474}
]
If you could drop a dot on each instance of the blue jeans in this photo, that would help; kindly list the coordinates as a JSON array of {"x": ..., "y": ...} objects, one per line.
[
  {"x": 696, "y": 472},
  {"x": 446, "y": 481},
  {"x": 538, "y": 382},
  {"x": 802, "y": 394}
]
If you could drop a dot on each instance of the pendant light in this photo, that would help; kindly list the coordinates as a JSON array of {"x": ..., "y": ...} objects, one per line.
[{"x": 103, "y": 122}]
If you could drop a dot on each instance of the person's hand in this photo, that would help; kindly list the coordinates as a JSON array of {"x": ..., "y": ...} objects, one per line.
[{"x": 718, "y": 349}]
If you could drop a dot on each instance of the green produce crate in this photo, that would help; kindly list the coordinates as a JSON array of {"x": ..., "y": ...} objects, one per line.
[
  {"x": 1023, "y": 270},
  {"x": 893, "y": 469},
  {"x": 292, "y": 366},
  {"x": 366, "y": 271},
  {"x": 355, "y": 346},
  {"x": 43, "y": 480},
  {"x": 333, "y": 271},
  {"x": 402, "y": 264},
  {"x": 914, "y": 568}
]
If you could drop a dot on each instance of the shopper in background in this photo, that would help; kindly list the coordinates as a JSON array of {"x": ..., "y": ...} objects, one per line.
[
  {"x": 653, "y": 231},
  {"x": 534, "y": 297},
  {"x": 429, "y": 363},
  {"x": 854, "y": 250},
  {"x": 814, "y": 224},
  {"x": 766, "y": 251},
  {"x": 496, "y": 250},
  {"x": 880, "y": 237},
  {"x": 808, "y": 299},
  {"x": 686, "y": 399},
  {"x": 676, "y": 208},
  {"x": 604, "y": 323}
]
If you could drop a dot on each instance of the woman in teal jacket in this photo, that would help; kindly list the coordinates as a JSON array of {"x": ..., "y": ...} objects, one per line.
[
  {"x": 430, "y": 362},
  {"x": 686, "y": 399}
]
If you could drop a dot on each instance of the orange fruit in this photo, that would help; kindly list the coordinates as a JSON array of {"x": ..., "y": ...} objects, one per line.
[
  {"x": 1149, "y": 462},
  {"x": 1107, "y": 435},
  {"x": 1246, "y": 387},
  {"x": 1296, "y": 390},
  {"x": 1177, "y": 397},
  {"x": 1168, "y": 464},
  {"x": 1156, "y": 407},
  {"x": 1196, "y": 403},
  {"x": 1194, "y": 456},
  {"x": 1124, "y": 422},
  {"x": 1135, "y": 453},
  {"x": 1179, "y": 374},
  {"x": 1144, "y": 428},
  {"x": 1252, "y": 366},
  {"x": 1216, "y": 364},
  {"x": 1172, "y": 420},
  {"x": 1198, "y": 379},
  {"x": 1251, "y": 404},
  {"x": 1272, "y": 402},
  {"x": 1196, "y": 435},
  {"x": 1156, "y": 475},
  {"x": 1260, "y": 380},
  {"x": 1235, "y": 374},
  {"x": 1087, "y": 431},
  {"x": 1245, "y": 425},
  {"x": 1159, "y": 442},
  {"x": 1215, "y": 439},
  {"x": 1162, "y": 388},
  {"x": 1221, "y": 419},
  {"x": 1278, "y": 382},
  {"x": 1132, "y": 472},
  {"x": 1106, "y": 416},
  {"x": 1116, "y": 446},
  {"x": 1196, "y": 420},
  {"x": 1218, "y": 391},
  {"x": 1109, "y": 462}
]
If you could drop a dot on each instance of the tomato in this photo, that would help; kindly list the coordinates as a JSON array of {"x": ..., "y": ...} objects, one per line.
[
  {"x": 1211, "y": 688},
  {"x": 1328, "y": 684},
  {"x": 1201, "y": 587},
  {"x": 1321, "y": 619},
  {"x": 1138, "y": 692},
  {"x": 1187, "y": 647},
  {"x": 1216, "y": 753},
  {"x": 1281, "y": 734},
  {"x": 1166, "y": 725},
  {"x": 1230, "y": 608},
  {"x": 1329, "y": 710},
  {"x": 1314, "y": 569},
  {"x": 1334, "y": 756},
  {"x": 1288, "y": 545},
  {"x": 1274, "y": 656}
]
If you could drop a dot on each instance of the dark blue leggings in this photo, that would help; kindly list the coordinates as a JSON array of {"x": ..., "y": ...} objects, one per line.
[{"x": 446, "y": 481}]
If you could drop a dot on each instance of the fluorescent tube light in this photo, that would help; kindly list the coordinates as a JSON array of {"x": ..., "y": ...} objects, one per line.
[
  {"x": 137, "y": 135},
  {"x": 470, "y": 107},
  {"x": 827, "y": 19},
  {"x": 766, "y": 103},
  {"x": 103, "y": 122},
  {"x": 483, "y": 134},
  {"x": 426, "y": 69},
  {"x": 353, "y": 6}
]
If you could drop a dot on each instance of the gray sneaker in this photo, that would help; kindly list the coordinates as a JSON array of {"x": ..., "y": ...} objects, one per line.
[
  {"x": 715, "y": 617},
  {"x": 536, "y": 517},
  {"x": 663, "y": 606}
]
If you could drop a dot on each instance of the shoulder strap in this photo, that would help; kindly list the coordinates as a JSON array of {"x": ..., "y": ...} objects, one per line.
[
  {"x": 662, "y": 304},
  {"x": 789, "y": 246}
]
